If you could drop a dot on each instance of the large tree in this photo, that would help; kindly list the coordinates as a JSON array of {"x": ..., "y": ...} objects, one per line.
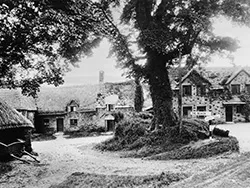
[
  {"x": 40, "y": 39},
  {"x": 36, "y": 36},
  {"x": 167, "y": 31}
]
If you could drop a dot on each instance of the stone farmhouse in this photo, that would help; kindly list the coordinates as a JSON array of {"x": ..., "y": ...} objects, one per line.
[
  {"x": 68, "y": 108},
  {"x": 214, "y": 92}
]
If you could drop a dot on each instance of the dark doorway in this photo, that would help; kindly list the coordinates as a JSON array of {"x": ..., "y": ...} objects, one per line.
[
  {"x": 187, "y": 111},
  {"x": 59, "y": 124},
  {"x": 110, "y": 125},
  {"x": 229, "y": 113}
]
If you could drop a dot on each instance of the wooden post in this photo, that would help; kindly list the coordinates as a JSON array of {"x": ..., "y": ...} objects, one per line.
[{"x": 180, "y": 95}]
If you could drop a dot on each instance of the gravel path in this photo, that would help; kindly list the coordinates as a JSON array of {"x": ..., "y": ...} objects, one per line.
[{"x": 62, "y": 157}]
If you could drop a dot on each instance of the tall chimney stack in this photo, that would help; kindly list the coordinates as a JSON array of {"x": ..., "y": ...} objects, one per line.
[
  {"x": 101, "y": 76},
  {"x": 101, "y": 82}
]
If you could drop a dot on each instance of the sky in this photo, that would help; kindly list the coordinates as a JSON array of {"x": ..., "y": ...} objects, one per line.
[{"x": 88, "y": 70}]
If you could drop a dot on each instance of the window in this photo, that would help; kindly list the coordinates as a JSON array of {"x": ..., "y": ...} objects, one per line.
[
  {"x": 187, "y": 90},
  {"x": 201, "y": 108},
  {"x": 239, "y": 109},
  {"x": 46, "y": 122},
  {"x": 235, "y": 89},
  {"x": 72, "y": 109},
  {"x": 201, "y": 90},
  {"x": 187, "y": 111},
  {"x": 248, "y": 88},
  {"x": 110, "y": 107},
  {"x": 73, "y": 122}
]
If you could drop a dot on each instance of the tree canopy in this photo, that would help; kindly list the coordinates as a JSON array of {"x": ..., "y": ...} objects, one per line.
[{"x": 39, "y": 39}]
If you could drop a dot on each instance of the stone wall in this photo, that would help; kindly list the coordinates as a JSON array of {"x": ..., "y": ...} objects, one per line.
[{"x": 215, "y": 106}]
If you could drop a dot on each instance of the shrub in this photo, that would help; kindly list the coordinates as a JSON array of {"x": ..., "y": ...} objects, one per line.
[
  {"x": 118, "y": 116},
  {"x": 88, "y": 129}
]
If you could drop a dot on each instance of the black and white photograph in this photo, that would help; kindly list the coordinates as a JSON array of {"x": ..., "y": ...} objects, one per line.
[{"x": 124, "y": 93}]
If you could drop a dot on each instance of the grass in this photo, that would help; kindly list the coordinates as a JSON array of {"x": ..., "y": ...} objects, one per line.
[{"x": 113, "y": 181}]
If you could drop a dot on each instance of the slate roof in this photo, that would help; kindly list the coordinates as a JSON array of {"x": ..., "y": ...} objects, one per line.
[
  {"x": 16, "y": 100},
  {"x": 217, "y": 76}
]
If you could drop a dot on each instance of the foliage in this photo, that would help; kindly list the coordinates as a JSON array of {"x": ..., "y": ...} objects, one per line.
[
  {"x": 88, "y": 129},
  {"x": 112, "y": 181},
  {"x": 40, "y": 38},
  {"x": 126, "y": 133},
  {"x": 118, "y": 116}
]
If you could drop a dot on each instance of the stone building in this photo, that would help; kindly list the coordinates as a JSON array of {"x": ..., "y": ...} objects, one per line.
[
  {"x": 69, "y": 108},
  {"x": 210, "y": 93}
]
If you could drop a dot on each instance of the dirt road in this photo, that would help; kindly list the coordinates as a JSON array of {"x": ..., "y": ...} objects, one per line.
[{"x": 62, "y": 157}]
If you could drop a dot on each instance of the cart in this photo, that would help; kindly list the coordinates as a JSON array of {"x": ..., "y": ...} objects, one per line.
[{"x": 15, "y": 150}]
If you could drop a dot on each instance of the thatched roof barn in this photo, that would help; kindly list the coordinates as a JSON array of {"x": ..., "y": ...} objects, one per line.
[
  {"x": 11, "y": 119},
  {"x": 13, "y": 126}
]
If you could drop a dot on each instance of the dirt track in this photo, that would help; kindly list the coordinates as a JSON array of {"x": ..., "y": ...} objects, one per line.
[{"x": 62, "y": 157}]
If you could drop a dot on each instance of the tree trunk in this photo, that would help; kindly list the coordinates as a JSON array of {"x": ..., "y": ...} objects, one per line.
[
  {"x": 138, "y": 101},
  {"x": 161, "y": 92}
]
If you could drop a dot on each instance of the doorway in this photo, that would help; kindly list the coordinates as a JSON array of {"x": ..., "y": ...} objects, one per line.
[
  {"x": 229, "y": 113},
  {"x": 59, "y": 124},
  {"x": 110, "y": 125}
]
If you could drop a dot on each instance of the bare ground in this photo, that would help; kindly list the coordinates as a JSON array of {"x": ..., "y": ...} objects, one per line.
[{"x": 62, "y": 157}]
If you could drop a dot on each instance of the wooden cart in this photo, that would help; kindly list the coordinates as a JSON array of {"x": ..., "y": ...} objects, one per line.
[{"x": 15, "y": 150}]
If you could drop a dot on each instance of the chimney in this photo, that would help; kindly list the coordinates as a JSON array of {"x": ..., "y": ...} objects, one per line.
[
  {"x": 101, "y": 77},
  {"x": 101, "y": 82}
]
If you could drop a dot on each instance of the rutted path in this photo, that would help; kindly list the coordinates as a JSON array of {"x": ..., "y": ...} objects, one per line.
[{"x": 62, "y": 157}]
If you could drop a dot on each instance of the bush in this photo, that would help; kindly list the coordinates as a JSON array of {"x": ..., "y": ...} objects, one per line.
[
  {"x": 127, "y": 135},
  {"x": 89, "y": 129},
  {"x": 118, "y": 116}
]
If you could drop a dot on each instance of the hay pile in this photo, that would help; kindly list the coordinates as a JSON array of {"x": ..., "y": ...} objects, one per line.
[
  {"x": 201, "y": 149},
  {"x": 192, "y": 142}
]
